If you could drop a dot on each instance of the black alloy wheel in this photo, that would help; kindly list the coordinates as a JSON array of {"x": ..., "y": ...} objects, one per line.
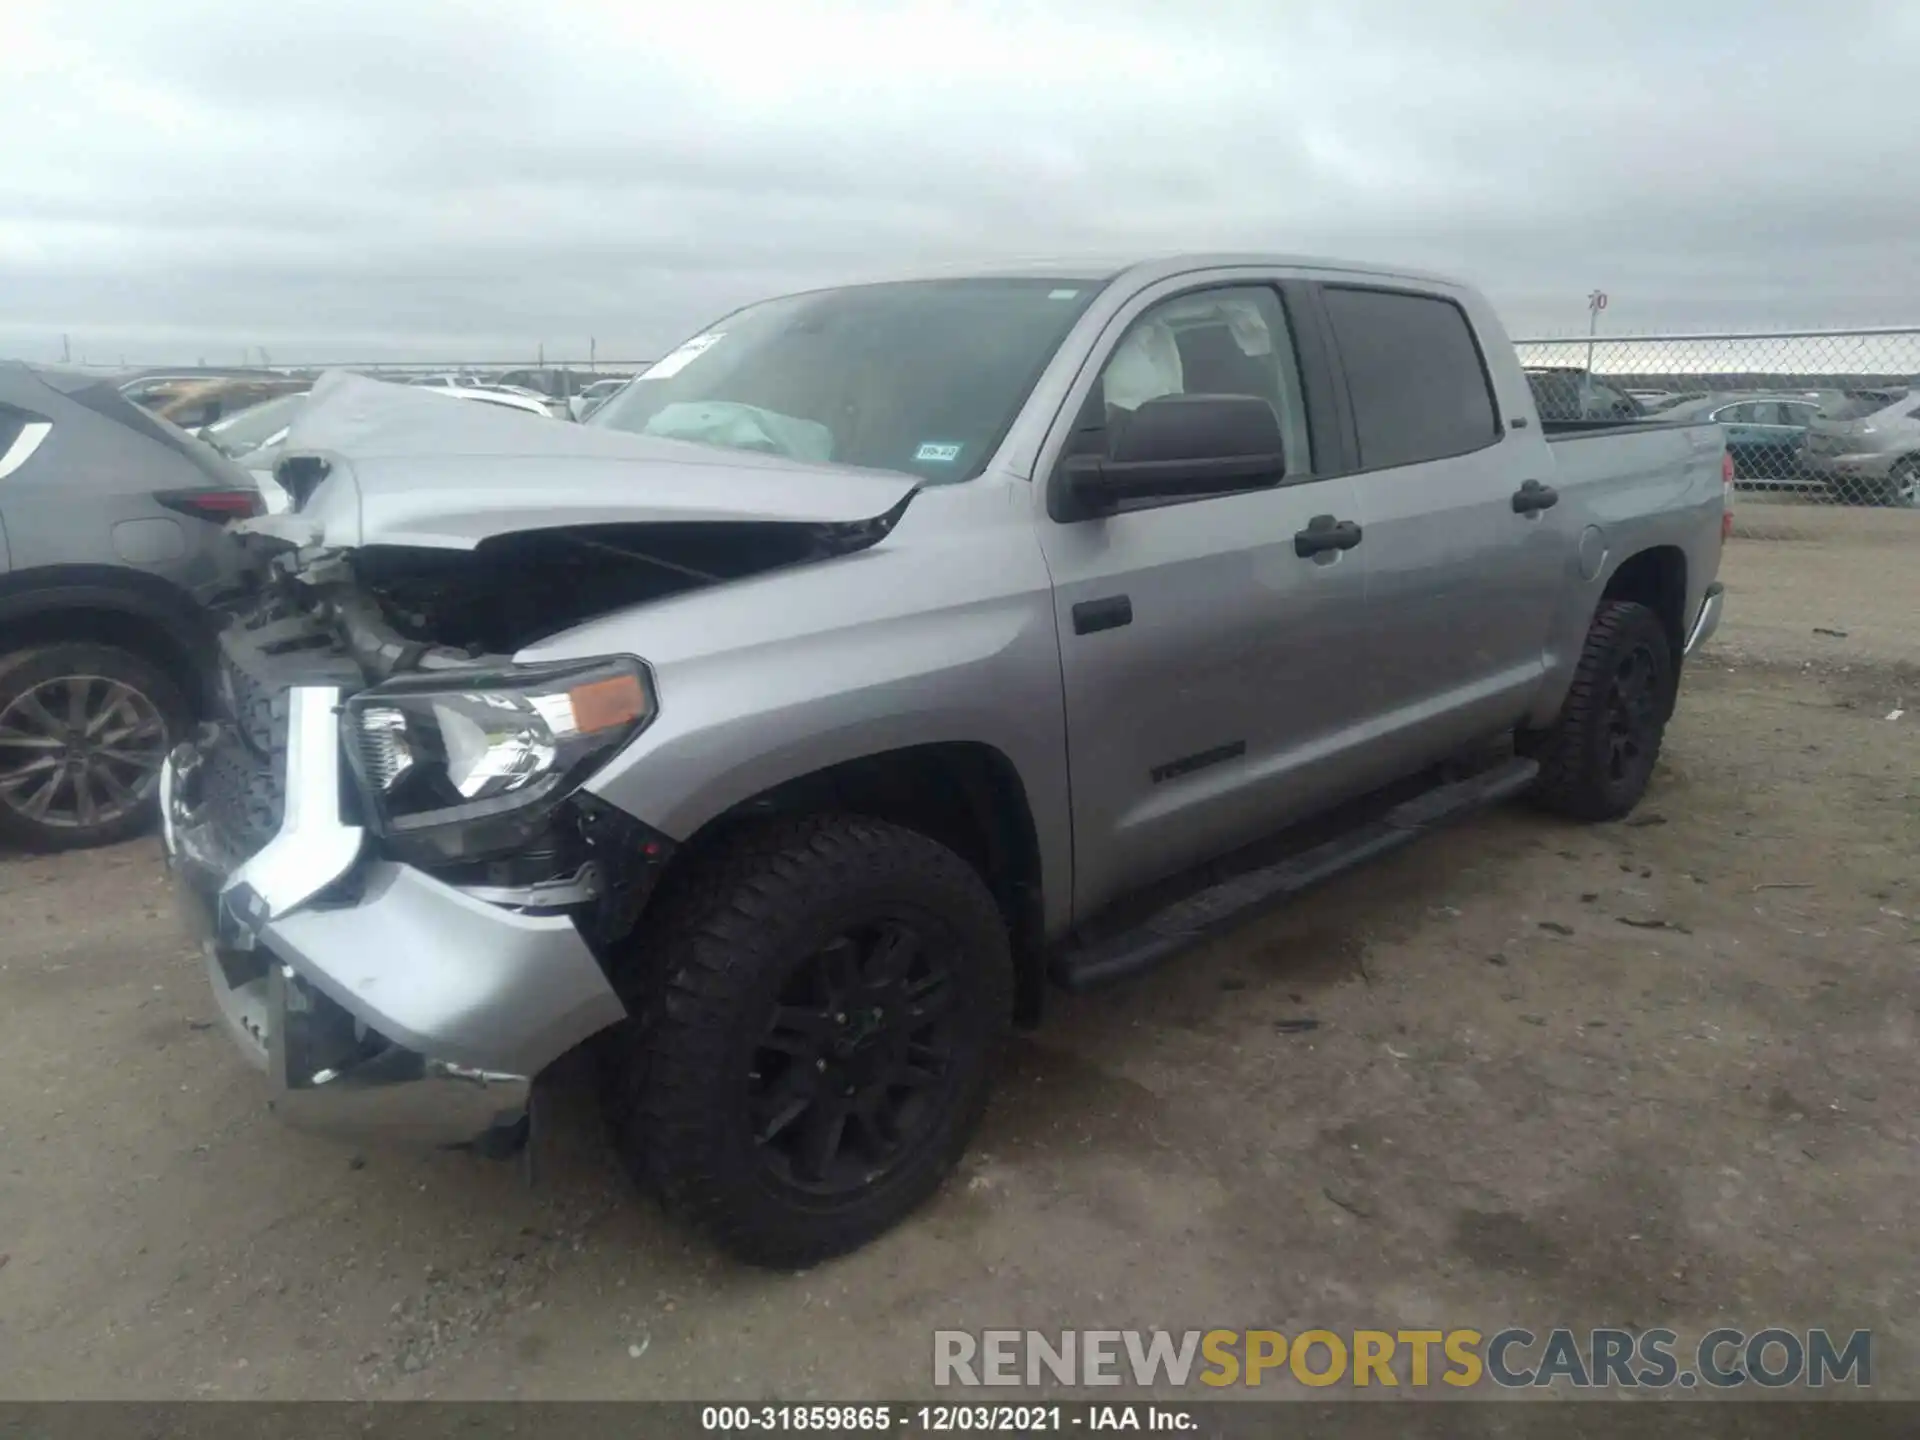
[
  {"x": 1635, "y": 704},
  {"x": 855, "y": 1060},
  {"x": 817, "y": 1005},
  {"x": 1598, "y": 756}
]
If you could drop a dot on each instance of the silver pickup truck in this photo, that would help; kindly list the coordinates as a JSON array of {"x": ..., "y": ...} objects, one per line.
[{"x": 881, "y": 656}]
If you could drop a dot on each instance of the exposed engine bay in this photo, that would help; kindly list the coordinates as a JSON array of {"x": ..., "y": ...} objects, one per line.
[
  {"x": 513, "y": 590},
  {"x": 426, "y": 545},
  {"x": 423, "y": 534},
  {"x": 354, "y": 619},
  {"x": 398, "y": 608}
]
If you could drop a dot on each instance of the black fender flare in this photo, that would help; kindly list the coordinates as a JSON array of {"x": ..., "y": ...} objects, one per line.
[{"x": 50, "y": 592}]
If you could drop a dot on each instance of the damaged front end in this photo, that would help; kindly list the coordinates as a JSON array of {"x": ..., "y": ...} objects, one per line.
[
  {"x": 405, "y": 903},
  {"x": 465, "y": 762},
  {"x": 406, "y": 899}
]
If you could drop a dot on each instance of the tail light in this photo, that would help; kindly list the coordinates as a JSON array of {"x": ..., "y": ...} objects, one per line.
[
  {"x": 1726, "y": 497},
  {"x": 215, "y": 506}
]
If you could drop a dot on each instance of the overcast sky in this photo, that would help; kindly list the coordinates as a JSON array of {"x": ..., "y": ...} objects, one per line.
[{"x": 346, "y": 180}]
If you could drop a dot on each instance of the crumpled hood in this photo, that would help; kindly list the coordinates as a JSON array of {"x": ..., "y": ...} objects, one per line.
[{"x": 408, "y": 467}]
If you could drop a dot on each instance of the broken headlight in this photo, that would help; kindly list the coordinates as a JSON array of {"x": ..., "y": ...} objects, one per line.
[{"x": 468, "y": 765}]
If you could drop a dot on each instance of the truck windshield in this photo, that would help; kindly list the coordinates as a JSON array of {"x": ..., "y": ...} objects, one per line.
[{"x": 923, "y": 376}]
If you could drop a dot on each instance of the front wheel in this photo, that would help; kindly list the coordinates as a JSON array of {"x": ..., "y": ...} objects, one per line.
[
  {"x": 819, "y": 1042},
  {"x": 1596, "y": 759}
]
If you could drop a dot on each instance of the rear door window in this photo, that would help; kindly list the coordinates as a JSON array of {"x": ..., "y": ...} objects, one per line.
[{"x": 1415, "y": 376}]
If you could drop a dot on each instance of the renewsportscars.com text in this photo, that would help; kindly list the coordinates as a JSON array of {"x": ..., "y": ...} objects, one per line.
[{"x": 1512, "y": 1358}]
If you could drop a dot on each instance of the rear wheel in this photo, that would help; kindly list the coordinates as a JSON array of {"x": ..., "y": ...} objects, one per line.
[
  {"x": 1597, "y": 758},
  {"x": 830, "y": 996},
  {"x": 83, "y": 731}
]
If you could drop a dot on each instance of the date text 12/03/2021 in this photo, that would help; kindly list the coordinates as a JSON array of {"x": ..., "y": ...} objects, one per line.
[{"x": 945, "y": 1419}]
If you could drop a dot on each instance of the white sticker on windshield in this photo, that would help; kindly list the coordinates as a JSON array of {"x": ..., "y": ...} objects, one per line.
[
  {"x": 937, "y": 451},
  {"x": 684, "y": 356},
  {"x": 1061, "y": 294}
]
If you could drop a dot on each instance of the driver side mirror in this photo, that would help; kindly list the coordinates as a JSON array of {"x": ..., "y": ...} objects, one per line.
[{"x": 1178, "y": 447}]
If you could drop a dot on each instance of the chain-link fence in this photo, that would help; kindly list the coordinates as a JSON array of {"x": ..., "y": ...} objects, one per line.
[
  {"x": 1812, "y": 418},
  {"x": 1824, "y": 430}
]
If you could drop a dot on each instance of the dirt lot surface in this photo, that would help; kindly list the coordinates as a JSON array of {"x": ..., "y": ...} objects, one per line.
[
  {"x": 1826, "y": 583},
  {"x": 1659, "y": 1073}
]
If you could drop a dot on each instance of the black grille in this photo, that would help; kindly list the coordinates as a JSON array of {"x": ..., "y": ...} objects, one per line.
[
  {"x": 246, "y": 769},
  {"x": 263, "y": 656}
]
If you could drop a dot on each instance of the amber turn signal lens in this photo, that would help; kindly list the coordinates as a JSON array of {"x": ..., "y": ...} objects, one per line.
[{"x": 605, "y": 704}]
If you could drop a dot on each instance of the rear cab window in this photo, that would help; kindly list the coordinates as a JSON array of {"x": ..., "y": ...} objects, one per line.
[{"x": 1416, "y": 378}]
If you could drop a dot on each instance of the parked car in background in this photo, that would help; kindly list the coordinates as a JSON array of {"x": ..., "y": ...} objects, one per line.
[
  {"x": 110, "y": 537},
  {"x": 503, "y": 396},
  {"x": 196, "y": 403},
  {"x": 556, "y": 409},
  {"x": 1766, "y": 434},
  {"x": 1570, "y": 394},
  {"x": 445, "y": 381},
  {"x": 1655, "y": 401},
  {"x": 558, "y": 383},
  {"x": 730, "y": 733},
  {"x": 152, "y": 387},
  {"x": 256, "y": 426},
  {"x": 594, "y": 396},
  {"x": 554, "y": 384},
  {"x": 472, "y": 386},
  {"x": 1865, "y": 446}
]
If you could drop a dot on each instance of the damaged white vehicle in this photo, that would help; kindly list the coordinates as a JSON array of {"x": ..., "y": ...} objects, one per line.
[{"x": 878, "y": 656}]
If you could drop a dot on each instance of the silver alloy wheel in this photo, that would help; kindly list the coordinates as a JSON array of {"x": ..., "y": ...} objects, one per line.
[
  {"x": 80, "y": 751},
  {"x": 1906, "y": 481}
]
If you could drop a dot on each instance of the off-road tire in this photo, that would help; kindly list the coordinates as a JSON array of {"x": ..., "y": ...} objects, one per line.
[
  {"x": 711, "y": 956},
  {"x": 1575, "y": 754},
  {"x": 22, "y": 670}
]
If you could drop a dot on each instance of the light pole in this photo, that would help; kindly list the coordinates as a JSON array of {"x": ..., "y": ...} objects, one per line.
[{"x": 1596, "y": 302}]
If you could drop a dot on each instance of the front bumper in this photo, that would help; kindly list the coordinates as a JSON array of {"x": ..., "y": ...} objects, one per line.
[{"x": 379, "y": 1001}]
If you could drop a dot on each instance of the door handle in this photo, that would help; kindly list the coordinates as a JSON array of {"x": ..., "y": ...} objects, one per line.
[
  {"x": 1108, "y": 613},
  {"x": 1533, "y": 497},
  {"x": 1324, "y": 533}
]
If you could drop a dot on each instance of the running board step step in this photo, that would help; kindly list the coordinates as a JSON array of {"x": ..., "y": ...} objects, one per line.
[{"x": 1200, "y": 916}]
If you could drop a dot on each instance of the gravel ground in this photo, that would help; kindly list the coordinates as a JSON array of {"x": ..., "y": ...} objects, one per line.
[{"x": 1653, "y": 1073}]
